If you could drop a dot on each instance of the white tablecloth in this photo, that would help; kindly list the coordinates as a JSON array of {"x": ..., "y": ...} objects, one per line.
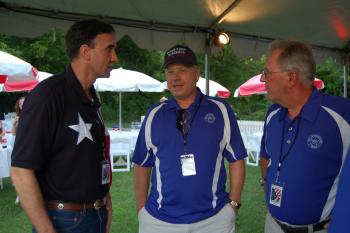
[
  {"x": 116, "y": 135},
  {"x": 5, "y": 162}
]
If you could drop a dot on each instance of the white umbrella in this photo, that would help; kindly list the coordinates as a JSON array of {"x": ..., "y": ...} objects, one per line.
[
  {"x": 122, "y": 80},
  {"x": 43, "y": 75},
  {"x": 215, "y": 88},
  {"x": 16, "y": 74}
]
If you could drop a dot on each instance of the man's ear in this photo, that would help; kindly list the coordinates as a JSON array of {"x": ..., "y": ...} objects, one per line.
[
  {"x": 293, "y": 78},
  {"x": 198, "y": 73},
  {"x": 84, "y": 52}
]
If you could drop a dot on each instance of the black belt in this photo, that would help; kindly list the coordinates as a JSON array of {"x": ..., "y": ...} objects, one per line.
[{"x": 289, "y": 229}]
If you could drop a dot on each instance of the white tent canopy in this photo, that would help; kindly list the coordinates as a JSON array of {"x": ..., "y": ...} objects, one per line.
[
  {"x": 123, "y": 80},
  {"x": 159, "y": 24}
]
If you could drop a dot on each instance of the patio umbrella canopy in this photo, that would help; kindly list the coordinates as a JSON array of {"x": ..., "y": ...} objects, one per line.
[
  {"x": 16, "y": 74},
  {"x": 215, "y": 88},
  {"x": 122, "y": 80},
  {"x": 254, "y": 86},
  {"x": 42, "y": 75}
]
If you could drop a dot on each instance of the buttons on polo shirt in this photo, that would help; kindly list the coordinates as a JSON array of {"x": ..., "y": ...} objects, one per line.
[
  {"x": 289, "y": 141},
  {"x": 290, "y": 128}
]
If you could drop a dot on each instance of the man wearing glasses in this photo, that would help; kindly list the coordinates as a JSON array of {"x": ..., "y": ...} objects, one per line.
[
  {"x": 181, "y": 148},
  {"x": 305, "y": 141}
]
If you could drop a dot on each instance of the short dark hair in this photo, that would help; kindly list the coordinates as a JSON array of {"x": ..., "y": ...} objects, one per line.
[{"x": 84, "y": 32}]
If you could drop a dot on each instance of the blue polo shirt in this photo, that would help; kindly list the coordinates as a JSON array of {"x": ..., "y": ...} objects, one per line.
[
  {"x": 340, "y": 218},
  {"x": 213, "y": 135},
  {"x": 311, "y": 149}
]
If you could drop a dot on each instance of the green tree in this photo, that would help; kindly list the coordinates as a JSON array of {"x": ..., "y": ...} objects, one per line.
[
  {"x": 332, "y": 75},
  {"x": 47, "y": 53}
]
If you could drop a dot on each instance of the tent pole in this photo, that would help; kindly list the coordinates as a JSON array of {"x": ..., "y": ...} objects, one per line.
[
  {"x": 206, "y": 62},
  {"x": 120, "y": 111},
  {"x": 346, "y": 74}
]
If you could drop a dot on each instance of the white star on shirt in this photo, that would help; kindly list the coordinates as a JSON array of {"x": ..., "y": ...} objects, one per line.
[{"x": 83, "y": 129}]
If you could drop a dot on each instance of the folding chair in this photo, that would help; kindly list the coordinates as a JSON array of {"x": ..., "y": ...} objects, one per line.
[
  {"x": 252, "y": 145},
  {"x": 120, "y": 154}
]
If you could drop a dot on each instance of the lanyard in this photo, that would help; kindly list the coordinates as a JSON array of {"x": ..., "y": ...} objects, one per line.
[
  {"x": 104, "y": 135},
  {"x": 181, "y": 125},
  {"x": 282, "y": 158}
]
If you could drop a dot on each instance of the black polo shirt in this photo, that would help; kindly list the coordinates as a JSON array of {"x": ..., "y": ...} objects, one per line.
[{"x": 61, "y": 136}]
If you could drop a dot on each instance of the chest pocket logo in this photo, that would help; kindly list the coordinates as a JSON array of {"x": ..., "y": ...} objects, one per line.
[
  {"x": 209, "y": 118},
  {"x": 314, "y": 141}
]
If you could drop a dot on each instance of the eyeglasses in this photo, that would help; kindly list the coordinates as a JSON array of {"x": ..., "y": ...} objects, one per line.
[
  {"x": 267, "y": 73},
  {"x": 182, "y": 121}
]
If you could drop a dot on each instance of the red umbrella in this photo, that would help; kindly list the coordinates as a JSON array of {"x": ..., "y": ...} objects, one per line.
[
  {"x": 16, "y": 74},
  {"x": 255, "y": 86}
]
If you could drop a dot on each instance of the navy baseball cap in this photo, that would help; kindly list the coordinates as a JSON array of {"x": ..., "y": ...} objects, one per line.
[{"x": 179, "y": 54}]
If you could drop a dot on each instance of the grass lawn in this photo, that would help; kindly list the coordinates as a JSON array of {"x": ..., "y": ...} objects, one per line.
[{"x": 250, "y": 218}]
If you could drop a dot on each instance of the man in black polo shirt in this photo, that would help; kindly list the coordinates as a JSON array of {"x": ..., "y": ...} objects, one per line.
[{"x": 60, "y": 167}]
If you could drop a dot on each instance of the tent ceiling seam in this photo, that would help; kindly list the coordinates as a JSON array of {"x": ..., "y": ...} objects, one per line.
[{"x": 222, "y": 16}]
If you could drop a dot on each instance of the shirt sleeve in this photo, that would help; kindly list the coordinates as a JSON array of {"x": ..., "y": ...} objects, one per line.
[
  {"x": 340, "y": 218},
  {"x": 32, "y": 143},
  {"x": 263, "y": 152},
  {"x": 235, "y": 150},
  {"x": 143, "y": 155}
]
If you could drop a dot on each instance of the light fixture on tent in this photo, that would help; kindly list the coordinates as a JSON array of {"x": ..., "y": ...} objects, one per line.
[{"x": 221, "y": 38}]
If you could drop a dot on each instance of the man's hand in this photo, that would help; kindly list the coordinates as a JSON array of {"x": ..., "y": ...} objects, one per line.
[{"x": 109, "y": 212}]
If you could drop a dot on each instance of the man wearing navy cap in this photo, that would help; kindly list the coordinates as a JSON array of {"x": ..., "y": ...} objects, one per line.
[
  {"x": 181, "y": 149},
  {"x": 305, "y": 141}
]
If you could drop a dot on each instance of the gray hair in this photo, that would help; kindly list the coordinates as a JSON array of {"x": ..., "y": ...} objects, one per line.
[{"x": 296, "y": 56}]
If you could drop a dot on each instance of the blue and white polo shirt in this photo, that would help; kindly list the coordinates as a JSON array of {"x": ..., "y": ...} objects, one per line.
[
  {"x": 312, "y": 148},
  {"x": 341, "y": 213},
  {"x": 214, "y": 134}
]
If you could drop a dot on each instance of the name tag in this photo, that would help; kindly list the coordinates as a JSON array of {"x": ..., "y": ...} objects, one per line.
[
  {"x": 276, "y": 195},
  {"x": 188, "y": 165},
  {"x": 106, "y": 176}
]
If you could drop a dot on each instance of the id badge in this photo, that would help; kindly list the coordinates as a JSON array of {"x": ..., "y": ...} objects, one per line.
[
  {"x": 106, "y": 168},
  {"x": 276, "y": 195},
  {"x": 188, "y": 165}
]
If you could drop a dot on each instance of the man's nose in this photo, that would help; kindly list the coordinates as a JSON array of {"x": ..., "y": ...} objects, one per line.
[{"x": 114, "y": 57}]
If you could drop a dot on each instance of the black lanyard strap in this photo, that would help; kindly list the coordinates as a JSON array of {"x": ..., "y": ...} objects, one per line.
[
  {"x": 103, "y": 134},
  {"x": 182, "y": 125},
  {"x": 282, "y": 157}
]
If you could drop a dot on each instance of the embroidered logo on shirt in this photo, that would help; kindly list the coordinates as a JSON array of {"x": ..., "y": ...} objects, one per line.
[
  {"x": 209, "y": 118},
  {"x": 314, "y": 141},
  {"x": 83, "y": 129}
]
